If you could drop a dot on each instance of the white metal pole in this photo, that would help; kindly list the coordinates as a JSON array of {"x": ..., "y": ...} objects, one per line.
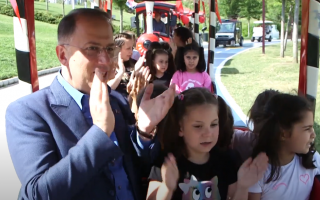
[{"x": 149, "y": 10}]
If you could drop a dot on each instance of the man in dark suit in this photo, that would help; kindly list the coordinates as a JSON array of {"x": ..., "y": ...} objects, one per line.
[{"x": 76, "y": 138}]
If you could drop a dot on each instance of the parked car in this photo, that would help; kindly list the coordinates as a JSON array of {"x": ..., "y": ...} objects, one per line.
[
  {"x": 271, "y": 31},
  {"x": 229, "y": 33}
]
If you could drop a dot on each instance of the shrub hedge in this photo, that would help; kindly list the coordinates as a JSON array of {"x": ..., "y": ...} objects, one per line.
[
  {"x": 38, "y": 15},
  {"x": 52, "y": 18}
]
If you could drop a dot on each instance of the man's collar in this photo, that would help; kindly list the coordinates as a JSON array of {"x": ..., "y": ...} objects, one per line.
[{"x": 74, "y": 93}]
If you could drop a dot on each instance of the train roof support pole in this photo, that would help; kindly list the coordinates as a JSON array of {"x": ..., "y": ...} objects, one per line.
[
  {"x": 25, "y": 43},
  {"x": 309, "y": 61},
  {"x": 109, "y": 7},
  {"x": 263, "y": 26},
  {"x": 149, "y": 10},
  {"x": 212, "y": 39},
  {"x": 196, "y": 21},
  {"x": 98, "y": 4}
]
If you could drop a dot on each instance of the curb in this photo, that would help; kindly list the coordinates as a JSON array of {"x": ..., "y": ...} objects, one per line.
[
  {"x": 14, "y": 80},
  {"x": 236, "y": 108}
]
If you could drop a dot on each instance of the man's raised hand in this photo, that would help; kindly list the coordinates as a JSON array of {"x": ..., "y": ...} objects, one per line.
[
  {"x": 152, "y": 111},
  {"x": 100, "y": 109}
]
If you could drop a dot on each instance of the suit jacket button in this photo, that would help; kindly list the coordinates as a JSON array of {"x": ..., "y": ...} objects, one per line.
[{"x": 111, "y": 192}]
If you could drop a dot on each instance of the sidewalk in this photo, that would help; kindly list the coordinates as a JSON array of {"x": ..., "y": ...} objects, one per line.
[
  {"x": 10, "y": 81},
  {"x": 10, "y": 184}
]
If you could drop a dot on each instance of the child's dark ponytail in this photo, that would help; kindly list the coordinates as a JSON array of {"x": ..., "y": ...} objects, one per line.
[{"x": 225, "y": 124}]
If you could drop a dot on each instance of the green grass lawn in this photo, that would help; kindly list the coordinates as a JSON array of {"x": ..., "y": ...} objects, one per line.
[
  {"x": 56, "y": 8},
  {"x": 250, "y": 73},
  {"x": 46, "y": 40}
]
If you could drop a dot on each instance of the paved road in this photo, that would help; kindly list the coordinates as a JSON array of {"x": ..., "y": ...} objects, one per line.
[
  {"x": 9, "y": 183},
  {"x": 221, "y": 54}
]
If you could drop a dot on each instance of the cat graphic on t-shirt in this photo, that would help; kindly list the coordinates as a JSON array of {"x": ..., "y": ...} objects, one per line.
[{"x": 205, "y": 190}]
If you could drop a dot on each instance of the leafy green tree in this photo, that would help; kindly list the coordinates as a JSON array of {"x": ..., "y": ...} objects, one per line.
[
  {"x": 121, "y": 4},
  {"x": 250, "y": 9},
  {"x": 230, "y": 8}
]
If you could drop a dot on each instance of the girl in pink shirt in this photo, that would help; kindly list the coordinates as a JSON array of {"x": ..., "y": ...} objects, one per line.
[{"x": 191, "y": 67}]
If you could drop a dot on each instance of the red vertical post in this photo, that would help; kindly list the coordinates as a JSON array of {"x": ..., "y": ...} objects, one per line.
[
  {"x": 25, "y": 43},
  {"x": 302, "y": 89}
]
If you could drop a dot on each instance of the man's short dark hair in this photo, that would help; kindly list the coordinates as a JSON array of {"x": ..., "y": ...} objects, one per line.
[{"x": 67, "y": 25}]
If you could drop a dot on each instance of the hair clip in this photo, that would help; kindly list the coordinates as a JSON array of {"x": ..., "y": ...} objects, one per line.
[
  {"x": 180, "y": 97},
  {"x": 215, "y": 96}
]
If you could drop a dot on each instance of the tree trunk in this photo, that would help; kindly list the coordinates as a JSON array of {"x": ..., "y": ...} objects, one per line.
[
  {"x": 295, "y": 31},
  {"x": 121, "y": 20},
  {"x": 63, "y": 8},
  {"x": 287, "y": 28},
  {"x": 47, "y": 5},
  {"x": 282, "y": 28},
  {"x": 248, "y": 28}
]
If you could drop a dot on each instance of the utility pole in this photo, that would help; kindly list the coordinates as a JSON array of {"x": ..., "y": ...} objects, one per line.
[{"x": 263, "y": 26}]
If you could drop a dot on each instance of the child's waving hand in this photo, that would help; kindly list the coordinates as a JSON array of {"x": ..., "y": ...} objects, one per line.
[
  {"x": 251, "y": 171},
  {"x": 170, "y": 172}
]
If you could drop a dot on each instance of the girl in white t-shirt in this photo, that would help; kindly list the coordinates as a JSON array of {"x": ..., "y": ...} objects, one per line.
[
  {"x": 191, "y": 68},
  {"x": 287, "y": 136}
]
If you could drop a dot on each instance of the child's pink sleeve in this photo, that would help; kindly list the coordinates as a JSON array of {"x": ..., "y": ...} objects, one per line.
[
  {"x": 207, "y": 81},
  {"x": 175, "y": 80}
]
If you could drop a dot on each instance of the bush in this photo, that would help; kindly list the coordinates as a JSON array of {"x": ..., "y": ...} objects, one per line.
[
  {"x": 116, "y": 29},
  {"x": 7, "y": 10},
  {"x": 38, "y": 15},
  {"x": 47, "y": 17}
]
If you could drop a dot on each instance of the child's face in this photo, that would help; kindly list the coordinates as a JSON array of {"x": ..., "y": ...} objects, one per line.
[
  {"x": 200, "y": 129},
  {"x": 161, "y": 62},
  {"x": 302, "y": 135},
  {"x": 126, "y": 50},
  {"x": 191, "y": 59}
]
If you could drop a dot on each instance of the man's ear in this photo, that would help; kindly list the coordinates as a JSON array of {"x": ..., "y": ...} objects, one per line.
[{"x": 61, "y": 54}]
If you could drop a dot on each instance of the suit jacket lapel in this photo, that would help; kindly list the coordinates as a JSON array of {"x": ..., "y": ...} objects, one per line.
[{"x": 68, "y": 110}]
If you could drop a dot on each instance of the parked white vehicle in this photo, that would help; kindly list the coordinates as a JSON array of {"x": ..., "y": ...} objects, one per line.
[{"x": 271, "y": 31}]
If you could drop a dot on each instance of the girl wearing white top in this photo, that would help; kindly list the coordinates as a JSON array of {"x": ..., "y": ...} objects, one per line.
[{"x": 287, "y": 136}]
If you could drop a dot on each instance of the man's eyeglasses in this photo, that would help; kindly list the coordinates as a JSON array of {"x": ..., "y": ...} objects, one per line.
[{"x": 94, "y": 51}]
